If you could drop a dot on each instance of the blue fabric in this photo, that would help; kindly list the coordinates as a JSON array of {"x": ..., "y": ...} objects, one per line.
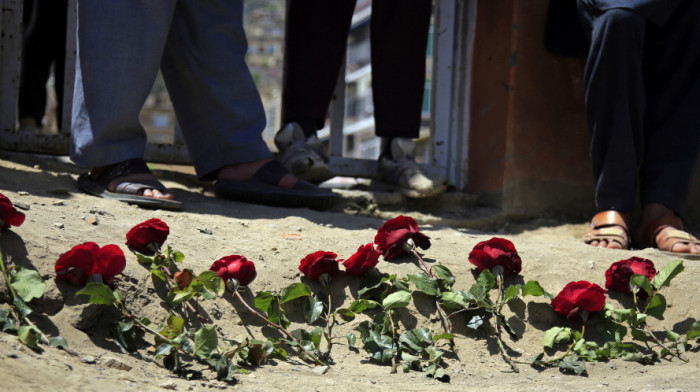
[
  {"x": 658, "y": 11},
  {"x": 199, "y": 47}
]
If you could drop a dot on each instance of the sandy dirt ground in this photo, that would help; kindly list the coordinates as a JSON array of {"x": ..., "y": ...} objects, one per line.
[{"x": 59, "y": 217}]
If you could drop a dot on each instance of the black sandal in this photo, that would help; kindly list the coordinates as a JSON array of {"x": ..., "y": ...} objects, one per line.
[
  {"x": 263, "y": 189},
  {"x": 126, "y": 191}
]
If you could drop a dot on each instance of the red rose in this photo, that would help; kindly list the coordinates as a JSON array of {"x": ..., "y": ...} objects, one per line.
[
  {"x": 578, "y": 296},
  {"x": 235, "y": 267},
  {"x": 362, "y": 261},
  {"x": 496, "y": 251},
  {"x": 9, "y": 214},
  {"x": 82, "y": 261},
  {"x": 617, "y": 277},
  {"x": 319, "y": 263},
  {"x": 392, "y": 236},
  {"x": 152, "y": 230}
]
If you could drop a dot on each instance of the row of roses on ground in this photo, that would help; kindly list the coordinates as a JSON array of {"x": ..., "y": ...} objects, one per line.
[{"x": 396, "y": 238}]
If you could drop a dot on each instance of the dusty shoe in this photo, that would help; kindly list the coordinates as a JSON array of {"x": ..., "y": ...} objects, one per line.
[
  {"x": 303, "y": 156},
  {"x": 403, "y": 171}
]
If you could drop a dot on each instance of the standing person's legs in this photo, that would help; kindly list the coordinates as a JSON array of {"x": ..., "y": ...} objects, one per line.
[
  {"x": 672, "y": 137},
  {"x": 399, "y": 38},
  {"x": 315, "y": 43},
  {"x": 120, "y": 46},
  {"x": 220, "y": 111},
  {"x": 36, "y": 65},
  {"x": 615, "y": 104}
]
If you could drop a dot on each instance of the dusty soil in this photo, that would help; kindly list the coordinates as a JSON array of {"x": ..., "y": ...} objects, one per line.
[{"x": 59, "y": 217}]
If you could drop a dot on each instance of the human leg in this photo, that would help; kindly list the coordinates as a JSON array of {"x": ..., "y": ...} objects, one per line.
[
  {"x": 218, "y": 106},
  {"x": 672, "y": 137},
  {"x": 315, "y": 45},
  {"x": 119, "y": 47},
  {"x": 399, "y": 37},
  {"x": 615, "y": 114}
]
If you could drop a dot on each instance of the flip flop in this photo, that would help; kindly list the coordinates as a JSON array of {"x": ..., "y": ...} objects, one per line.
[
  {"x": 670, "y": 238},
  {"x": 126, "y": 191},
  {"x": 608, "y": 226},
  {"x": 263, "y": 189}
]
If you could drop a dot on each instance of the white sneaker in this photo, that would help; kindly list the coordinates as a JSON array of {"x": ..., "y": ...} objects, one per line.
[
  {"x": 402, "y": 170},
  {"x": 304, "y": 156}
]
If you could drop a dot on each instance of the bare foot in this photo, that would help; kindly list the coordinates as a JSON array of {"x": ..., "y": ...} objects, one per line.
[
  {"x": 246, "y": 171},
  {"x": 668, "y": 234}
]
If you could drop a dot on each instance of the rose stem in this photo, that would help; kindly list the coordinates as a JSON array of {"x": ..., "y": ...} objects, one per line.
[
  {"x": 393, "y": 339},
  {"x": 443, "y": 317},
  {"x": 192, "y": 308},
  {"x": 497, "y": 313},
  {"x": 14, "y": 297},
  {"x": 329, "y": 319},
  {"x": 276, "y": 326}
]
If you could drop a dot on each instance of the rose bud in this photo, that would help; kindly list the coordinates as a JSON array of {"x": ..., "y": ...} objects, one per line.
[
  {"x": 148, "y": 232},
  {"x": 362, "y": 261},
  {"x": 85, "y": 260},
  {"x": 318, "y": 263},
  {"x": 235, "y": 267},
  {"x": 392, "y": 236},
  {"x": 9, "y": 216},
  {"x": 577, "y": 297},
  {"x": 496, "y": 252},
  {"x": 617, "y": 277}
]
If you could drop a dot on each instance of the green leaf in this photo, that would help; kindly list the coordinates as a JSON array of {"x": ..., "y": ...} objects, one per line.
[
  {"x": 175, "y": 324},
  {"x": 21, "y": 307},
  {"x": 27, "y": 283},
  {"x": 144, "y": 259},
  {"x": 98, "y": 293},
  {"x": 58, "y": 341},
  {"x": 263, "y": 301},
  {"x": 7, "y": 322},
  {"x": 29, "y": 336},
  {"x": 486, "y": 279},
  {"x": 639, "y": 334},
  {"x": 163, "y": 349},
  {"x": 444, "y": 273},
  {"x": 351, "y": 339},
  {"x": 533, "y": 287},
  {"x": 313, "y": 309},
  {"x": 277, "y": 315},
  {"x": 664, "y": 277},
  {"x": 510, "y": 293},
  {"x": 396, "y": 300},
  {"x": 158, "y": 273},
  {"x": 453, "y": 301},
  {"x": 177, "y": 256},
  {"x": 556, "y": 335},
  {"x": 446, "y": 336},
  {"x": 380, "y": 347},
  {"x": 573, "y": 363},
  {"x": 694, "y": 331},
  {"x": 656, "y": 306},
  {"x": 176, "y": 298},
  {"x": 294, "y": 291},
  {"x": 360, "y": 305},
  {"x": 642, "y": 282},
  {"x": 416, "y": 340},
  {"x": 215, "y": 284},
  {"x": 672, "y": 336},
  {"x": 424, "y": 283},
  {"x": 205, "y": 342},
  {"x": 346, "y": 314}
]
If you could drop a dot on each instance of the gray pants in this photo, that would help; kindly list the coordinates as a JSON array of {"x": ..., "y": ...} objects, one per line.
[{"x": 199, "y": 46}]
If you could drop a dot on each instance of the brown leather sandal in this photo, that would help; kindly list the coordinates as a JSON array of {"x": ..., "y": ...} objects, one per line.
[
  {"x": 608, "y": 226},
  {"x": 672, "y": 237}
]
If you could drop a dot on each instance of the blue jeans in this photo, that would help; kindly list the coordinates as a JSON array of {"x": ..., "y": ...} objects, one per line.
[{"x": 199, "y": 46}]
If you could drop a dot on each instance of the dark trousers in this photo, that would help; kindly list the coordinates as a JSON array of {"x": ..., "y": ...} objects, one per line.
[
  {"x": 642, "y": 104},
  {"x": 316, "y": 41},
  {"x": 43, "y": 45}
]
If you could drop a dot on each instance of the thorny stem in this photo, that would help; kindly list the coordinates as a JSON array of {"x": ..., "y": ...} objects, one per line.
[
  {"x": 429, "y": 271},
  {"x": 276, "y": 326},
  {"x": 330, "y": 317},
  {"x": 675, "y": 353},
  {"x": 121, "y": 307},
  {"x": 29, "y": 322},
  {"x": 496, "y": 314},
  {"x": 393, "y": 340}
]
